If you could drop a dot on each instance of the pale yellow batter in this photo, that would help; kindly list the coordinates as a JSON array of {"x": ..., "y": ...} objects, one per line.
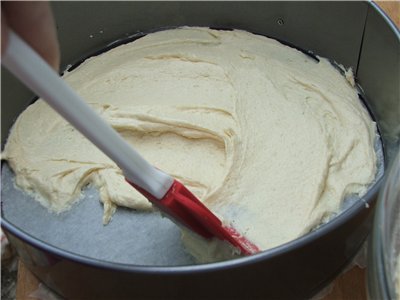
[{"x": 267, "y": 137}]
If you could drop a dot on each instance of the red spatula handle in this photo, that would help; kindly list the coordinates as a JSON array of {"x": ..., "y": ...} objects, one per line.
[{"x": 184, "y": 207}]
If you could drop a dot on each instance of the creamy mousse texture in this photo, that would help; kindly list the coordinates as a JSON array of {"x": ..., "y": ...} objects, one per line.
[{"x": 271, "y": 140}]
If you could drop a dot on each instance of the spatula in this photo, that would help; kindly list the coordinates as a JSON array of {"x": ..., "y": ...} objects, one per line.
[{"x": 165, "y": 192}]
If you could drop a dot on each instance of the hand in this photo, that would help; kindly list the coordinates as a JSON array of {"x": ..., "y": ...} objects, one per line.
[{"x": 33, "y": 21}]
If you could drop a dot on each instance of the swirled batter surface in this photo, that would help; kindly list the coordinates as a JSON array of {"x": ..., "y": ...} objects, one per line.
[{"x": 270, "y": 139}]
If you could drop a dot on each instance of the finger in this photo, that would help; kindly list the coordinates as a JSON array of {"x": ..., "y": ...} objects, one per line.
[{"x": 34, "y": 22}]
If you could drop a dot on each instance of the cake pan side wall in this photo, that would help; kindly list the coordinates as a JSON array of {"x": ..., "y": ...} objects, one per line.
[{"x": 379, "y": 75}]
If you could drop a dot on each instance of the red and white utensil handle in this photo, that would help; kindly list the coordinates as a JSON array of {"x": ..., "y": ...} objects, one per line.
[{"x": 169, "y": 195}]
